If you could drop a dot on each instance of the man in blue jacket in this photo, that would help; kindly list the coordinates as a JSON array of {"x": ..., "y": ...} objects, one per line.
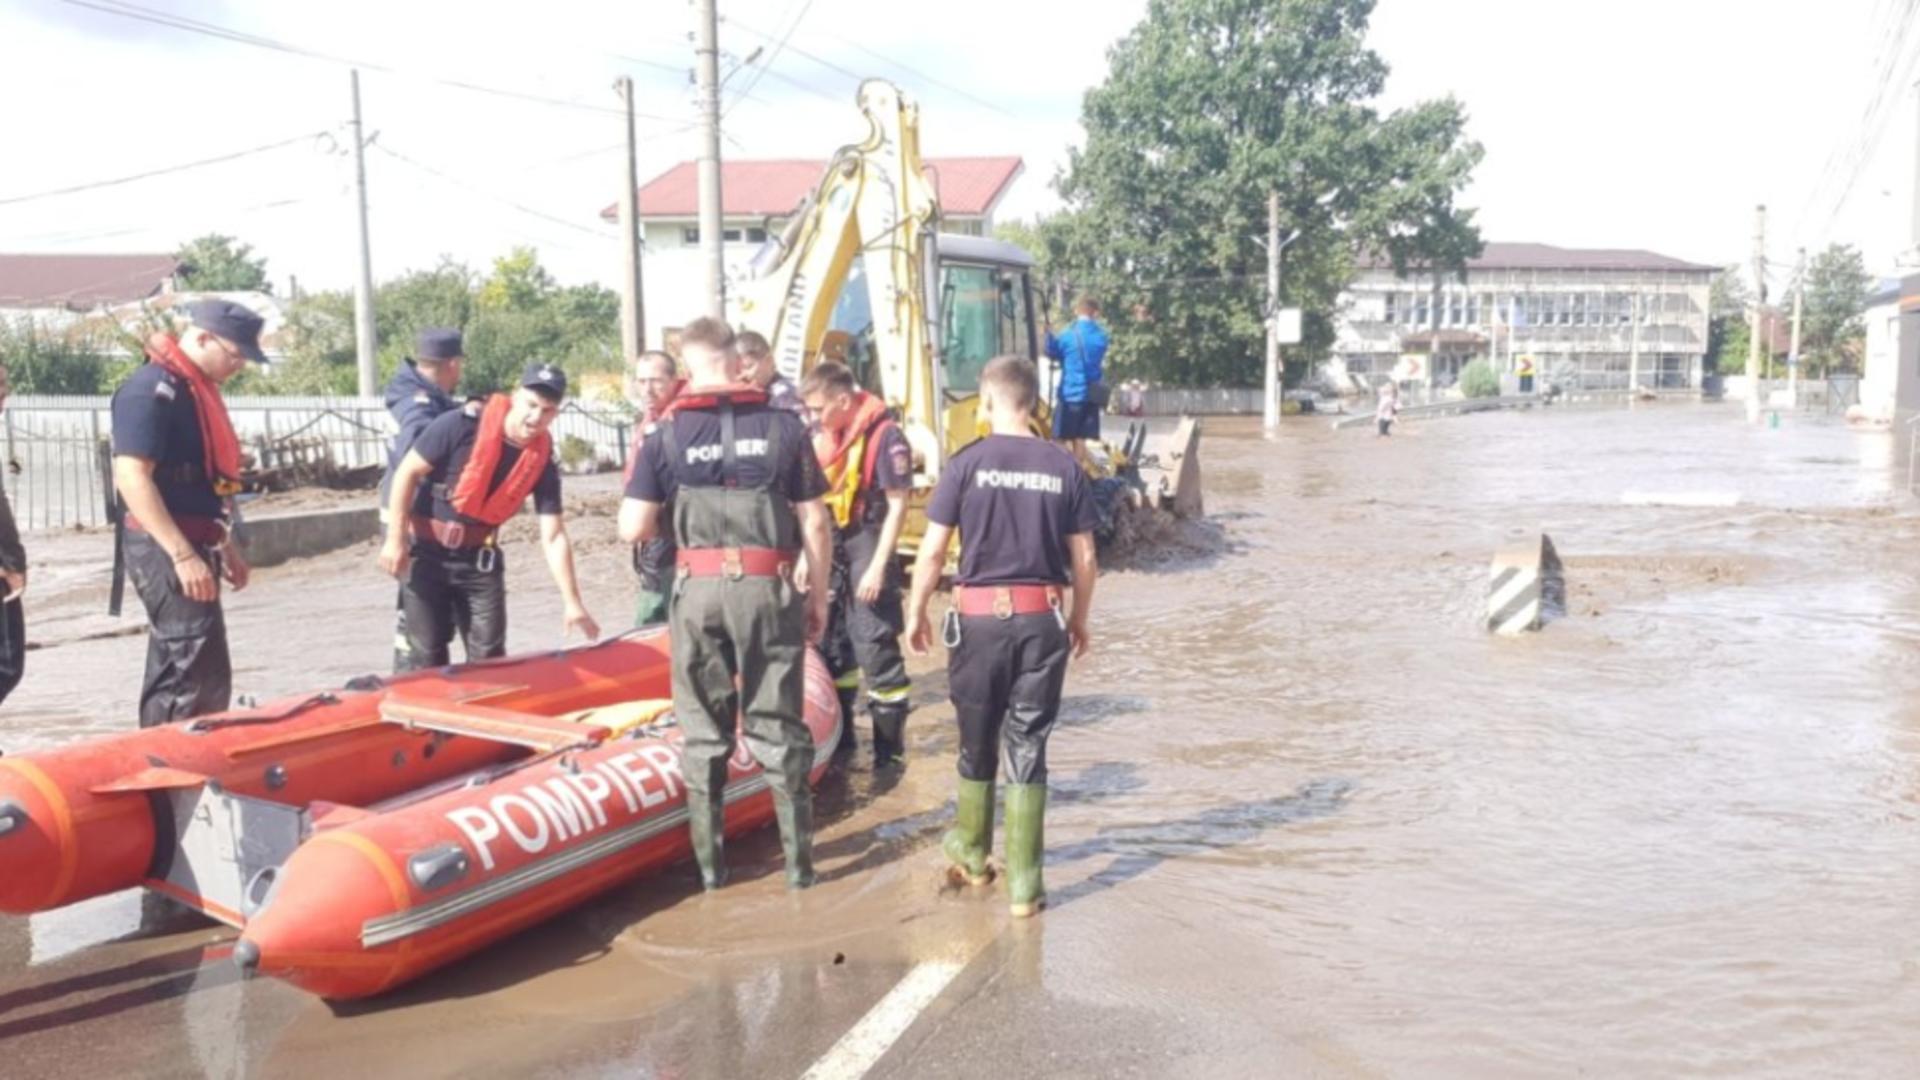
[
  {"x": 420, "y": 393},
  {"x": 1081, "y": 351}
]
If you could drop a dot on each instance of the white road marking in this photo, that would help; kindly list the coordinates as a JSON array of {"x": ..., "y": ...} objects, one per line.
[{"x": 870, "y": 1039}]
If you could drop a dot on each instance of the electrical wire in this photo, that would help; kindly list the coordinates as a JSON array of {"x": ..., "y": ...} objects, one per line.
[
  {"x": 767, "y": 64},
  {"x": 503, "y": 200},
  {"x": 167, "y": 171},
  {"x": 125, "y": 10},
  {"x": 921, "y": 75}
]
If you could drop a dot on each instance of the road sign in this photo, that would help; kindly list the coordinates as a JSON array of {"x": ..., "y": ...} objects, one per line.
[
  {"x": 1287, "y": 325},
  {"x": 1413, "y": 368},
  {"x": 1523, "y": 366}
]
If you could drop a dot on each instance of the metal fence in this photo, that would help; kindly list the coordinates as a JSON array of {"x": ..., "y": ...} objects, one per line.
[{"x": 58, "y": 465}]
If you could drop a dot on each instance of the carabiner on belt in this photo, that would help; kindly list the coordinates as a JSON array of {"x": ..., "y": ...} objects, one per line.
[
  {"x": 488, "y": 557},
  {"x": 1053, "y": 601},
  {"x": 950, "y": 628}
]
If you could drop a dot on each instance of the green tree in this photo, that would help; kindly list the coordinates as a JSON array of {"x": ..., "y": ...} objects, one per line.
[
  {"x": 1727, "y": 305},
  {"x": 1477, "y": 379},
  {"x": 1833, "y": 325},
  {"x": 81, "y": 360},
  {"x": 216, "y": 263},
  {"x": 1208, "y": 106},
  {"x": 518, "y": 283}
]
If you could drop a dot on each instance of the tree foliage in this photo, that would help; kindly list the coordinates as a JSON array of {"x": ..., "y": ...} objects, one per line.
[
  {"x": 509, "y": 318},
  {"x": 216, "y": 263},
  {"x": 1208, "y": 106},
  {"x": 1477, "y": 380},
  {"x": 1833, "y": 325}
]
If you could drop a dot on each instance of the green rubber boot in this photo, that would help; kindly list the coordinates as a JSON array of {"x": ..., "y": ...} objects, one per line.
[
  {"x": 794, "y": 811},
  {"x": 971, "y": 837},
  {"x": 1026, "y": 844},
  {"x": 709, "y": 844}
]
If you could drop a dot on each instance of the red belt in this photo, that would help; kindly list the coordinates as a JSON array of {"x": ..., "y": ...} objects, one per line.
[
  {"x": 1006, "y": 601},
  {"x": 451, "y": 534},
  {"x": 734, "y": 563},
  {"x": 199, "y": 531}
]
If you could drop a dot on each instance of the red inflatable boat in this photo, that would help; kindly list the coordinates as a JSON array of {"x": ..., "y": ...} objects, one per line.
[{"x": 362, "y": 838}]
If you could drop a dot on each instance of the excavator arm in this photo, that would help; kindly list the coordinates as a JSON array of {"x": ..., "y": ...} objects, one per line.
[{"x": 874, "y": 201}]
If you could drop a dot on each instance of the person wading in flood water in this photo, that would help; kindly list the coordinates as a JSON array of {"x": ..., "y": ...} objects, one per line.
[
  {"x": 745, "y": 489},
  {"x": 1025, "y": 513}
]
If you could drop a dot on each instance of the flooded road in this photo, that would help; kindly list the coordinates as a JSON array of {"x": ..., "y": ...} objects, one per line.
[{"x": 1308, "y": 817}]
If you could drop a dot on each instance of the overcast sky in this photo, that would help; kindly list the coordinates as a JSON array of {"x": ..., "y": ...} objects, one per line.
[{"x": 1639, "y": 123}]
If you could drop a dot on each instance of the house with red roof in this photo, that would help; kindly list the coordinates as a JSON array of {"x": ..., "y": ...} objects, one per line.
[{"x": 757, "y": 199}]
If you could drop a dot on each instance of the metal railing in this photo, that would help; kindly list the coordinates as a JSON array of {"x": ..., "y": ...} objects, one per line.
[{"x": 58, "y": 466}]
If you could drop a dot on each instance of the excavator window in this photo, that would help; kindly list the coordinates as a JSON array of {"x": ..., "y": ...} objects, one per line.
[{"x": 971, "y": 324}]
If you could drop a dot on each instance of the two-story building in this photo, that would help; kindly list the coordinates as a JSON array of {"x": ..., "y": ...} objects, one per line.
[
  {"x": 1581, "y": 318},
  {"x": 757, "y": 198}
]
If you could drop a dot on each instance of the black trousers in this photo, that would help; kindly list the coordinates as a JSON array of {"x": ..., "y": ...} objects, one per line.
[
  {"x": 189, "y": 672},
  {"x": 1005, "y": 678},
  {"x": 13, "y": 647},
  {"x": 866, "y": 636},
  {"x": 448, "y": 592}
]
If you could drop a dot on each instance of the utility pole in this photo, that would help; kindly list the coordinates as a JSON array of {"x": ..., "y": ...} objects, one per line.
[
  {"x": 707, "y": 73},
  {"x": 1754, "y": 398},
  {"x": 1793, "y": 347},
  {"x": 364, "y": 345},
  {"x": 1270, "y": 409},
  {"x": 633, "y": 319},
  {"x": 1633, "y": 341}
]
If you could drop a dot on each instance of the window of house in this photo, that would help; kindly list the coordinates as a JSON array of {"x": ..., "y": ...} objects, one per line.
[
  {"x": 1420, "y": 308},
  {"x": 690, "y": 236},
  {"x": 1390, "y": 308},
  {"x": 1456, "y": 309},
  {"x": 756, "y": 236},
  {"x": 1577, "y": 309}
]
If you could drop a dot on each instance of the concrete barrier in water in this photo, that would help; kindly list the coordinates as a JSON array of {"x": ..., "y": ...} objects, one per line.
[
  {"x": 272, "y": 540},
  {"x": 1528, "y": 587}
]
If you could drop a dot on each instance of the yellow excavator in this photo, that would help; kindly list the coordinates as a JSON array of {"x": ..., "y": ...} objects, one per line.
[{"x": 861, "y": 274}]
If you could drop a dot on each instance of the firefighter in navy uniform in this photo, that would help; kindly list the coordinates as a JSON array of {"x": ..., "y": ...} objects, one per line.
[
  {"x": 1025, "y": 514},
  {"x": 466, "y": 475},
  {"x": 176, "y": 462},
  {"x": 745, "y": 490},
  {"x": 869, "y": 468},
  {"x": 420, "y": 392}
]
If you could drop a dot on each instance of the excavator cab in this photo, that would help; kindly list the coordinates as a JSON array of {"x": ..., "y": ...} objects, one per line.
[{"x": 860, "y": 273}]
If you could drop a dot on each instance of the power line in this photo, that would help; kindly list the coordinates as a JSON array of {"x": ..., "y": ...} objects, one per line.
[
  {"x": 125, "y": 10},
  {"x": 1864, "y": 143},
  {"x": 767, "y": 64},
  {"x": 921, "y": 75},
  {"x": 503, "y": 200},
  {"x": 118, "y": 180}
]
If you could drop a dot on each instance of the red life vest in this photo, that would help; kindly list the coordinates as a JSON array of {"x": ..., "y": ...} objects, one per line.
[
  {"x": 470, "y": 496},
  {"x": 710, "y": 397},
  {"x": 220, "y": 445}
]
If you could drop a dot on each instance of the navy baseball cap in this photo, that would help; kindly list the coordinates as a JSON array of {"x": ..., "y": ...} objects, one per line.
[
  {"x": 436, "y": 345},
  {"x": 545, "y": 378},
  {"x": 235, "y": 322}
]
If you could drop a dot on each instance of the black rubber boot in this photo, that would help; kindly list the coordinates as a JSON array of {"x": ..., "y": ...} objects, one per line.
[
  {"x": 889, "y": 731},
  {"x": 849, "y": 705}
]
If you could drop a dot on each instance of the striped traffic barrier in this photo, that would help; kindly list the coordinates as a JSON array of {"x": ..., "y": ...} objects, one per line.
[{"x": 1528, "y": 586}]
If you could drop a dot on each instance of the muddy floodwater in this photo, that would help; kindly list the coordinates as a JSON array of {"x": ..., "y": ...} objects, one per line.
[{"x": 1309, "y": 818}]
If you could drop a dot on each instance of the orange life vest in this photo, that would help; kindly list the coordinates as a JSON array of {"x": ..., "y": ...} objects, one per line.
[
  {"x": 471, "y": 498},
  {"x": 850, "y": 462}
]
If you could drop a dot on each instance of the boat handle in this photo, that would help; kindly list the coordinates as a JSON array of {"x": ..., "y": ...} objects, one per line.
[{"x": 438, "y": 867}]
